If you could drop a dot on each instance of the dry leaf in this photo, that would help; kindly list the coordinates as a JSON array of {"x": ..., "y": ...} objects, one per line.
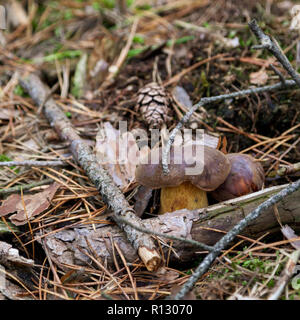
[
  {"x": 34, "y": 205},
  {"x": 119, "y": 154},
  {"x": 260, "y": 77},
  {"x": 166, "y": 274},
  {"x": 182, "y": 97},
  {"x": 289, "y": 233}
]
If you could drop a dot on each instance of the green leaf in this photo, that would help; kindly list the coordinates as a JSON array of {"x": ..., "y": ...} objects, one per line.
[
  {"x": 7, "y": 227},
  {"x": 181, "y": 40},
  {"x": 138, "y": 39},
  {"x": 19, "y": 91},
  {"x": 134, "y": 52},
  {"x": 79, "y": 80},
  {"x": 68, "y": 114},
  {"x": 4, "y": 158},
  {"x": 68, "y": 54}
]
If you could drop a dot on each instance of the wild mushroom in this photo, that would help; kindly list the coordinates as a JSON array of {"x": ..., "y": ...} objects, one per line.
[
  {"x": 188, "y": 181},
  {"x": 246, "y": 176}
]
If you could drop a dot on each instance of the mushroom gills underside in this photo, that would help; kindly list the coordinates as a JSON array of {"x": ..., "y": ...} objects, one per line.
[{"x": 184, "y": 196}]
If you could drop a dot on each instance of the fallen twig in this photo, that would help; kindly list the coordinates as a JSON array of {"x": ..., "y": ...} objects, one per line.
[
  {"x": 25, "y": 187},
  {"x": 34, "y": 163},
  {"x": 84, "y": 155},
  {"x": 205, "y": 101},
  {"x": 188, "y": 230},
  {"x": 272, "y": 46},
  {"x": 167, "y": 236},
  {"x": 286, "y": 170},
  {"x": 266, "y": 42},
  {"x": 238, "y": 228}
]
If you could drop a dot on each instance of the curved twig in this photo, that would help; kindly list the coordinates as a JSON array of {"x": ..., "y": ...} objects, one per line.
[{"x": 221, "y": 244}]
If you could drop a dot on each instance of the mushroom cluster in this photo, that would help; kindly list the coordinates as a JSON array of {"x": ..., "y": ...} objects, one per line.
[{"x": 196, "y": 170}]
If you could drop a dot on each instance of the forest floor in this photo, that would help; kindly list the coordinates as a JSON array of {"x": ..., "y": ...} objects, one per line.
[{"x": 203, "y": 47}]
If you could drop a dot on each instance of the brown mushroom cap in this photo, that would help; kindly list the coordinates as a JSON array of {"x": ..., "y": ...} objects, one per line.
[
  {"x": 216, "y": 168},
  {"x": 246, "y": 176}
]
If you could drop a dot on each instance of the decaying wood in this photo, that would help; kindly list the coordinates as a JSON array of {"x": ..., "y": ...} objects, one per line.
[
  {"x": 84, "y": 155},
  {"x": 203, "y": 225}
]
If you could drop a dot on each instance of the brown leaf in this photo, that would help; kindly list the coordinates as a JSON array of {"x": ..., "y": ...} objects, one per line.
[
  {"x": 9, "y": 205},
  {"x": 34, "y": 205}
]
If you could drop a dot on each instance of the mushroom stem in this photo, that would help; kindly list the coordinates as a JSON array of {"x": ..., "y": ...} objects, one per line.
[{"x": 184, "y": 196}]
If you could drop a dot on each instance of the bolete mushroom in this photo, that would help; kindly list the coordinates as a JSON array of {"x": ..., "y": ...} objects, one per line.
[
  {"x": 193, "y": 172},
  {"x": 246, "y": 176}
]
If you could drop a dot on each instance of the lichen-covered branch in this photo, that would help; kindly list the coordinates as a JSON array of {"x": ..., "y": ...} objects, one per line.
[
  {"x": 34, "y": 163},
  {"x": 237, "y": 229},
  {"x": 188, "y": 230},
  {"x": 206, "y": 101},
  {"x": 270, "y": 44},
  {"x": 285, "y": 170},
  {"x": 84, "y": 155}
]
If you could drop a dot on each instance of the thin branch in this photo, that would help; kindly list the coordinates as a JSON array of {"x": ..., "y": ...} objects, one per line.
[
  {"x": 224, "y": 242},
  {"x": 164, "y": 235},
  {"x": 280, "y": 75},
  {"x": 271, "y": 44},
  {"x": 86, "y": 158},
  {"x": 205, "y": 101},
  {"x": 285, "y": 170},
  {"x": 34, "y": 163},
  {"x": 25, "y": 187}
]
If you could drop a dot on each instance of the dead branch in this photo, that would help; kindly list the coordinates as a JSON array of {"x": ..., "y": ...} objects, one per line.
[
  {"x": 271, "y": 44},
  {"x": 84, "y": 155},
  {"x": 238, "y": 228},
  {"x": 206, "y": 226},
  {"x": 34, "y": 163},
  {"x": 25, "y": 187},
  {"x": 285, "y": 170},
  {"x": 206, "y": 101}
]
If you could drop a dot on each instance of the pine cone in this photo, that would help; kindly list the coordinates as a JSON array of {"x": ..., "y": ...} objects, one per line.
[{"x": 153, "y": 105}]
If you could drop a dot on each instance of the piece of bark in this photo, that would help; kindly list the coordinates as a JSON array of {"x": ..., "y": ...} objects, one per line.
[
  {"x": 84, "y": 155},
  {"x": 67, "y": 247}
]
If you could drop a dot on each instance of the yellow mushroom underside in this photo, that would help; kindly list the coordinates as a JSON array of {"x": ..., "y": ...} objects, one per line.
[{"x": 184, "y": 196}]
